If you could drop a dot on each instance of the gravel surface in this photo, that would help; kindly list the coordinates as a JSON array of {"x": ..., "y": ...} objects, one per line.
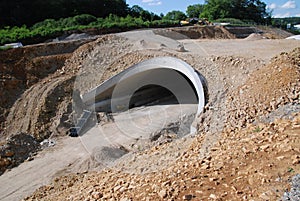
[{"x": 294, "y": 193}]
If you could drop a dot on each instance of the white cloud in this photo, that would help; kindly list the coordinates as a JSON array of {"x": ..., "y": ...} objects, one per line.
[
  {"x": 297, "y": 15},
  {"x": 272, "y": 6},
  {"x": 152, "y": 2},
  {"x": 289, "y": 4}
]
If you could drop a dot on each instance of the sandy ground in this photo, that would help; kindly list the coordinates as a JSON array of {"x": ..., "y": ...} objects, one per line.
[
  {"x": 226, "y": 64},
  {"x": 86, "y": 152}
]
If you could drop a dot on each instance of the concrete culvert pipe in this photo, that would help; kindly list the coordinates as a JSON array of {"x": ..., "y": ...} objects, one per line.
[
  {"x": 170, "y": 86},
  {"x": 159, "y": 80}
]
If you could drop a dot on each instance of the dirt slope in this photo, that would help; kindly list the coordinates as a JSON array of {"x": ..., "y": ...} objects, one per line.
[
  {"x": 243, "y": 91},
  {"x": 231, "y": 172},
  {"x": 245, "y": 160},
  {"x": 21, "y": 68}
]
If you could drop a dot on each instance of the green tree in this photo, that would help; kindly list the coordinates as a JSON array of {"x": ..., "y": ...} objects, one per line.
[
  {"x": 194, "y": 10},
  {"x": 250, "y": 10},
  {"x": 214, "y": 9},
  {"x": 137, "y": 11},
  {"x": 175, "y": 15}
]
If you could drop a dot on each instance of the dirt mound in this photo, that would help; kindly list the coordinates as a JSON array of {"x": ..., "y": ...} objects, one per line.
[
  {"x": 206, "y": 32},
  {"x": 170, "y": 33},
  {"x": 236, "y": 101},
  {"x": 268, "y": 88},
  {"x": 229, "y": 168},
  {"x": 255, "y": 36},
  {"x": 230, "y": 173},
  {"x": 21, "y": 68},
  {"x": 274, "y": 33},
  {"x": 19, "y": 148}
]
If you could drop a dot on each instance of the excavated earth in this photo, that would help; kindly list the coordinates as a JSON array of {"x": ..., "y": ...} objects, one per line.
[{"x": 247, "y": 142}]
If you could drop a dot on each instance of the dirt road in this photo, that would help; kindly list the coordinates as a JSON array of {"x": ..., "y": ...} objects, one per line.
[{"x": 86, "y": 152}]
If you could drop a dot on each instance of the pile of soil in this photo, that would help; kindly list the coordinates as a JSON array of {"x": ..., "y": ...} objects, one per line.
[
  {"x": 268, "y": 88},
  {"x": 255, "y": 36},
  {"x": 204, "y": 32},
  {"x": 229, "y": 173},
  {"x": 235, "y": 107},
  {"x": 22, "y": 68},
  {"x": 220, "y": 162},
  {"x": 19, "y": 148},
  {"x": 274, "y": 33}
]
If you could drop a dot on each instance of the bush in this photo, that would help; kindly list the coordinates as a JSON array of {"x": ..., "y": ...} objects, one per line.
[
  {"x": 84, "y": 19},
  {"x": 48, "y": 23},
  {"x": 14, "y": 34}
]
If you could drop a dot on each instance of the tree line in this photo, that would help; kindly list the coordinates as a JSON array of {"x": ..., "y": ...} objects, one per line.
[
  {"x": 246, "y": 10},
  {"x": 51, "y": 28},
  {"x": 20, "y": 12},
  {"x": 22, "y": 19},
  {"x": 24, "y": 12}
]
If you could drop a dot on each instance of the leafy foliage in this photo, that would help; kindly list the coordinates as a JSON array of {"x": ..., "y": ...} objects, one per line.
[
  {"x": 50, "y": 28},
  {"x": 17, "y": 13},
  {"x": 137, "y": 11},
  {"x": 194, "y": 10},
  {"x": 250, "y": 10},
  {"x": 175, "y": 15}
]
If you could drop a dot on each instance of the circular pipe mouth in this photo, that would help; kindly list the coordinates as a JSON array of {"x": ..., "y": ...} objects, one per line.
[
  {"x": 150, "y": 95},
  {"x": 172, "y": 74}
]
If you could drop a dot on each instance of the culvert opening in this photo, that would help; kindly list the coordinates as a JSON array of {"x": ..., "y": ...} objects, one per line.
[
  {"x": 151, "y": 95},
  {"x": 162, "y": 81}
]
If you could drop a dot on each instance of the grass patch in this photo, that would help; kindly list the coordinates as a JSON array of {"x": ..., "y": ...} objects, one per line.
[
  {"x": 291, "y": 170},
  {"x": 257, "y": 129},
  {"x": 3, "y": 48}
]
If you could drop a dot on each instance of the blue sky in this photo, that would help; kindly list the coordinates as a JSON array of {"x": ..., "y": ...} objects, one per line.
[{"x": 281, "y": 8}]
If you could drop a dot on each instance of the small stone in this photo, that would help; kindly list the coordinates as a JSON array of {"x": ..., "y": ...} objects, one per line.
[
  {"x": 280, "y": 158},
  {"x": 97, "y": 195},
  {"x": 122, "y": 189},
  {"x": 213, "y": 196},
  {"x": 212, "y": 179},
  {"x": 180, "y": 48},
  {"x": 9, "y": 153},
  {"x": 167, "y": 183},
  {"x": 187, "y": 197},
  {"x": 295, "y": 159},
  {"x": 117, "y": 188},
  {"x": 234, "y": 188},
  {"x": 162, "y": 193},
  {"x": 264, "y": 196},
  {"x": 205, "y": 167},
  {"x": 264, "y": 147}
]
